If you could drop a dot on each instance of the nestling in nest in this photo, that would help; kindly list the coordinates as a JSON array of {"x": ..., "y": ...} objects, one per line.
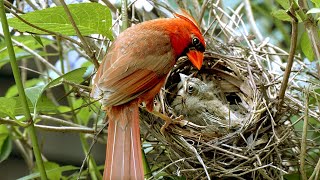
[{"x": 228, "y": 128}]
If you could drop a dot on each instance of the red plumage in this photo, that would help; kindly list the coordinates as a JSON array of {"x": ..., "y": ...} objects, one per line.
[{"x": 133, "y": 71}]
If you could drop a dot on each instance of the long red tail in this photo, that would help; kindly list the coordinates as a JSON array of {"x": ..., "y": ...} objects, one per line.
[{"x": 123, "y": 156}]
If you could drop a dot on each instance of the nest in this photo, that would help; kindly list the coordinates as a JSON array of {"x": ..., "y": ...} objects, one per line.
[{"x": 262, "y": 145}]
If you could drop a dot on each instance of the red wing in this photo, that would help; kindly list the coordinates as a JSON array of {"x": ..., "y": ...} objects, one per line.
[{"x": 130, "y": 69}]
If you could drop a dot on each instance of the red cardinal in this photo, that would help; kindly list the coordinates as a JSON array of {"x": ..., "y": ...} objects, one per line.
[{"x": 133, "y": 71}]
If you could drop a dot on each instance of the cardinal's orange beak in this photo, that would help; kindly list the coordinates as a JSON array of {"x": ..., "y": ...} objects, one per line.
[{"x": 196, "y": 57}]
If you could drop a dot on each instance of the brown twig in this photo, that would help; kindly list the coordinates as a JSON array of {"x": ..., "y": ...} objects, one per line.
[
  {"x": 304, "y": 137},
  {"x": 293, "y": 45}
]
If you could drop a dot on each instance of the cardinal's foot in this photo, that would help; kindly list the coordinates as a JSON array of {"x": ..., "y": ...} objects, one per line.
[{"x": 168, "y": 120}]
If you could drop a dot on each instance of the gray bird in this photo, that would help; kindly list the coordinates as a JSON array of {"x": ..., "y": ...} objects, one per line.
[{"x": 198, "y": 102}]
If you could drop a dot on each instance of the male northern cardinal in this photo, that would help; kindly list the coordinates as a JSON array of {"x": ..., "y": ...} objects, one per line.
[
  {"x": 133, "y": 71},
  {"x": 198, "y": 101}
]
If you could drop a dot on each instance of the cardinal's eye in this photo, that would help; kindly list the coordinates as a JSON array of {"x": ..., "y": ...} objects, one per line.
[
  {"x": 190, "y": 89},
  {"x": 195, "y": 41}
]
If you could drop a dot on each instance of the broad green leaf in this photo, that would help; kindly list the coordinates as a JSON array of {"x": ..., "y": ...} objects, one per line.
[
  {"x": 314, "y": 10},
  {"x": 54, "y": 171},
  {"x": 4, "y": 133},
  {"x": 34, "y": 93},
  {"x": 84, "y": 112},
  {"x": 28, "y": 41},
  {"x": 75, "y": 76},
  {"x": 64, "y": 109},
  {"x": 6, "y": 149},
  {"x": 91, "y": 18},
  {"x": 316, "y": 2},
  {"x": 13, "y": 91},
  {"x": 281, "y": 15},
  {"x": 285, "y": 4},
  {"x": 295, "y": 176},
  {"x": 306, "y": 48},
  {"x": 53, "y": 174},
  {"x": 7, "y": 106},
  {"x": 5, "y": 143},
  {"x": 13, "y": 106},
  {"x": 45, "y": 105},
  {"x": 38, "y": 39}
]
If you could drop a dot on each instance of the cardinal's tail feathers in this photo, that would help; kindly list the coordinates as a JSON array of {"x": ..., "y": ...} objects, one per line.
[{"x": 123, "y": 157}]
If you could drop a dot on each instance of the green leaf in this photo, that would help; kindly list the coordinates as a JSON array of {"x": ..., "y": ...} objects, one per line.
[
  {"x": 38, "y": 39},
  {"x": 34, "y": 93},
  {"x": 53, "y": 174},
  {"x": 28, "y": 41},
  {"x": 295, "y": 176},
  {"x": 4, "y": 133},
  {"x": 64, "y": 109},
  {"x": 316, "y": 2},
  {"x": 52, "y": 171},
  {"x": 306, "y": 47},
  {"x": 75, "y": 76},
  {"x": 91, "y": 18},
  {"x": 281, "y": 15},
  {"x": 7, "y": 107},
  {"x": 285, "y": 4},
  {"x": 45, "y": 105},
  {"x": 313, "y": 10},
  {"x": 13, "y": 91},
  {"x": 5, "y": 143},
  {"x": 84, "y": 112},
  {"x": 6, "y": 149}
]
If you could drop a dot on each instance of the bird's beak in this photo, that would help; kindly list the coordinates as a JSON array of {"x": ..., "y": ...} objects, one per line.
[{"x": 196, "y": 57}]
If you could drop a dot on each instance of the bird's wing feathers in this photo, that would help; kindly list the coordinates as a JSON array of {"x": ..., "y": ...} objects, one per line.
[{"x": 133, "y": 68}]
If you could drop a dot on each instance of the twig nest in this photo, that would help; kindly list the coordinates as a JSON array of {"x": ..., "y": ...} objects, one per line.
[{"x": 229, "y": 127}]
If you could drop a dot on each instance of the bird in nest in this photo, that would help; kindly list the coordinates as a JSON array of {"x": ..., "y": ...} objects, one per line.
[{"x": 199, "y": 102}]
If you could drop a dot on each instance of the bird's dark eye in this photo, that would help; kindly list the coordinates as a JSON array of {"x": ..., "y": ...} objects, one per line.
[
  {"x": 190, "y": 89},
  {"x": 195, "y": 41}
]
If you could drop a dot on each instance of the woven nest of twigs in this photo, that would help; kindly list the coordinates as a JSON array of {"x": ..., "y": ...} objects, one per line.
[{"x": 262, "y": 144}]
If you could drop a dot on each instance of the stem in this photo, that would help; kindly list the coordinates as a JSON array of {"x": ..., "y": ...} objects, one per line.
[
  {"x": 124, "y": 14},
  {"x": 304, "y": 138},
  {"x": 22, "y": 95},
  {"x": 293, "y": 45}
]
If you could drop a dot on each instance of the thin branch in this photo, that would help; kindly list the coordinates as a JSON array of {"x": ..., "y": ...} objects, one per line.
[
  {"x": 293, "y": 45},
  {"x": 124, "y": 15},
  {"x": 251, "y": 20},
  {"x": 203, "y": 9},
  {"x": 304, "y": 137},
  {"x": 86, "y": 47},
  {"x": 65, "y": 129},
  {"x": 7, "y": 3},
  {"x": 91, "y": 146},
  {"x": 60, "y": 121},
  {"x": 316, "y": 171},
  {"x": 110, "y": 5},
  {"x": 175, "y": 162},
  {"x": 44, "y": 61},
  {"x": 50, "y": 128}
]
